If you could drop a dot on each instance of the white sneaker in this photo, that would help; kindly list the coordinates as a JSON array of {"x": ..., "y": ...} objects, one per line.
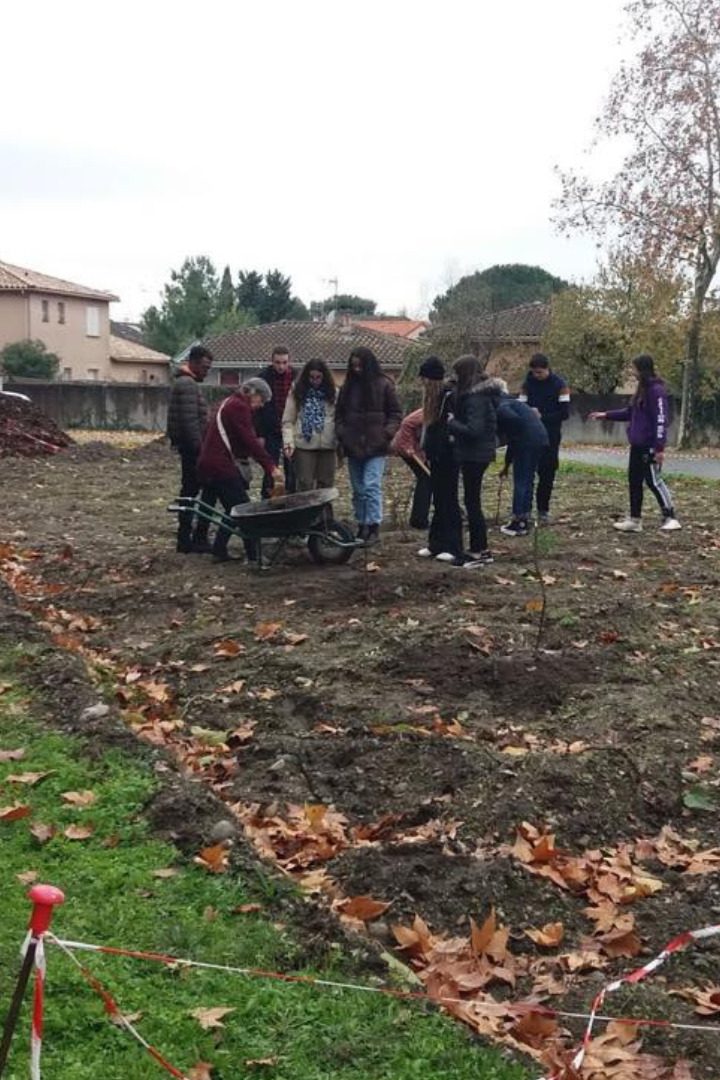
[
  {"x": 424, "y": 553},
  {"x": 670, "y": 525},
  {"x": 445, "y": 556},
  {"x": 628, "y": 525}
]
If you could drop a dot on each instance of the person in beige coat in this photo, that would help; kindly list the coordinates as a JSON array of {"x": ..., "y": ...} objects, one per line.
[{"x": 309, "y": 427}]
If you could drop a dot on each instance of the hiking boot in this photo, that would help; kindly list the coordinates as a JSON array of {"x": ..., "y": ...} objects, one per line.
[
  {"x": 670, "y": 524},
  {"x": 362, "y": 533},
  {"x": 201, "y": 546},
  {"x": 185, "y": 547},
  {"x": 628, "y": 525},
  {"x": 373, "y": 534},
  {"x": 515, "y": 528}
]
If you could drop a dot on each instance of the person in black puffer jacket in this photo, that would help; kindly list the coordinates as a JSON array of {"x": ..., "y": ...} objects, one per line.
[{"x": 472, "y": 426}]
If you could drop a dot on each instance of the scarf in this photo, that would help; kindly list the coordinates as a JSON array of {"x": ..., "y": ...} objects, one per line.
[{"x": 313, "y": 413}]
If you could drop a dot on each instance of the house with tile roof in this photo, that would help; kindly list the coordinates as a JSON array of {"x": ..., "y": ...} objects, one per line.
[
  {"x": 72, "y": 320},
  {"x": 133, "y": 361},
  {"x": 507, "y": 338},
  {"x": 412, "y": 329},
  {"x": 240, "y": 354}
]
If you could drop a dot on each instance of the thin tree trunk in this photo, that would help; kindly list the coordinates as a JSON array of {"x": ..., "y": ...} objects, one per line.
[{"x": 691, "y": 370}]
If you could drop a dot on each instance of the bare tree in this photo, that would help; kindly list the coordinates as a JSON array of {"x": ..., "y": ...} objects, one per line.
[{"x": 663, "y": 204}]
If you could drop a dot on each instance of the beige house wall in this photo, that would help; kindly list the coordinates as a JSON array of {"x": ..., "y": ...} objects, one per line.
[
  {"x": 87, "y": 356},
  {"x": 14, "y": 324},
  {"x": 145, "y": 373}
]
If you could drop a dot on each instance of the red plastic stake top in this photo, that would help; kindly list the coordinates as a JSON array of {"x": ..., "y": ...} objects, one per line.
[{"x": 44, "y": 898}]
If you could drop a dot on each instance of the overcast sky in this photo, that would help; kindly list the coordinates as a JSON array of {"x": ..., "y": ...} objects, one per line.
[{"x": 395, "y": 145}]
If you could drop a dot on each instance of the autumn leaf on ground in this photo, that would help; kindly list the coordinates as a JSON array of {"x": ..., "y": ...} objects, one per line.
[
  {"x": 227, "y": 648},
  {"x": 79, "y": 798},
  {"x": 27, "y": 877},
  {"x": 534, "y": 605},
  {"x": 11, "y": 755},
  {"x": 706, "y": 1001},
  {"x": 210, "y": 1018},
  {"x": 78, "y": 832},
  {"x": 548, "y": 936},
  {"x": 165, "y": 872},
  {"x": 362, "y": 907},
  {"x": 202, "y": 1071},
  {"x": 267, "y": 693},
  {"x": 702, "y": 764},
  {"x": 267, "y": 631},
  {"x": 214, "y": 859},
  {"x": 621, "y": 943},
  {"x": 13, "y": 813},
  {"x": 293, "y": 639},
  {"x": 481, "y": 936},
  {"x": 29, "y": 778},
  {"x": 42, "y": 833},
  {"x": 255, "y": 1063},
  {"x": 232, "y": 688},
  {"x": 246, "y": 909},
  {"x": 158, "y": 691}
]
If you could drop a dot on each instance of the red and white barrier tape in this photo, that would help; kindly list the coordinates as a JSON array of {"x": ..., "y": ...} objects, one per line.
[
  {"x": 636, "y": 976},
  {"x": 519, "y": 1009},
  {"x": 114, "y": 1011}
]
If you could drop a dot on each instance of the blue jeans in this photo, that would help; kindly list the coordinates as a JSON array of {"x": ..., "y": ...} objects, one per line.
[
  {"x": 366, "y": 476},
  {"x": 525, "y": 462}
]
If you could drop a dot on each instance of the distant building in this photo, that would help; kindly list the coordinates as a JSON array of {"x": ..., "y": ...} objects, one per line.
[
  {"x": 412, "y": 329},
  {"x": 131, "y": 361},
  {"x": 241, "y": 353},
  {"x": 508, "y": 338},
  {"x": 72, "y": 320}
]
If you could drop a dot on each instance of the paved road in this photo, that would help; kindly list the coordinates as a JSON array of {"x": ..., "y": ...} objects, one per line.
[{"x": 675, "y": 464}]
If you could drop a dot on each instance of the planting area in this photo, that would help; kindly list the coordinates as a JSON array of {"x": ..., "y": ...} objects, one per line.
[{"x": 521, "y": 811}]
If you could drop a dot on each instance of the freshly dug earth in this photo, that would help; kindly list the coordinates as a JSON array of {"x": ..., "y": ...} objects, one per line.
[
  {"x": 25, "y": 431},
  {"x": 397, "y": 686}
]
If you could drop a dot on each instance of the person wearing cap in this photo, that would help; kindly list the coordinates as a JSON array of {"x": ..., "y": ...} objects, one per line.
[
  {"x": 230, "y": 437},
  {"x": 549, "y": 395}
]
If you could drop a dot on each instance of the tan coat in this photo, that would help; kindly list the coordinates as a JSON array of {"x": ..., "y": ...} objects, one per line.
[{"x": 292, "y": 428}]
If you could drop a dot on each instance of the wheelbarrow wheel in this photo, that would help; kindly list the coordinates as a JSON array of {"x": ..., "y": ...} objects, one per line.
[{"x": 323, "y": 550}]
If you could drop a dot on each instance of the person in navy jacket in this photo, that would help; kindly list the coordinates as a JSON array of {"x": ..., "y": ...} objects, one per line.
[
  {"x": 647, "y": 420},
  {"x": 548, "y": 393}
]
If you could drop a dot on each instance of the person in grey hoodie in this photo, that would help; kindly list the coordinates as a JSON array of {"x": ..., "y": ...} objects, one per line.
[{"x": 647, "y": 419}]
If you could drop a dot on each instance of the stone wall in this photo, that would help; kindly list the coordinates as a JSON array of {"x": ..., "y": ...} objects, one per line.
[{"x": 141, "y": 407}]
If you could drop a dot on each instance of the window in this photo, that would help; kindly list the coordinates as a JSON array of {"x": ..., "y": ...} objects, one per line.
[
  {"x": 67, "y": 373},
  {"x": 92, "y": 321},
  {"x": 93, "y": 373},
  {"x": 61, "y": 312},
  {"x": 46, "y": 311}
]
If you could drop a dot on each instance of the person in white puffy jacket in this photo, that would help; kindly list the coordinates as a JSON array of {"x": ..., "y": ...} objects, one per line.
[{"x": 309, "y": 427}]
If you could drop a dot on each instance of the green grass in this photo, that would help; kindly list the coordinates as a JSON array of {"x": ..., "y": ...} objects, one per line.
[{"x": 113, "y": 898}]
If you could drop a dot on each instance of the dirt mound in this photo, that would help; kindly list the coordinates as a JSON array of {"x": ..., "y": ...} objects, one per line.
[{"x": 25, "y": 431}]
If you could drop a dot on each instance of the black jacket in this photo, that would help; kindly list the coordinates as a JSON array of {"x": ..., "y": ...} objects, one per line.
[
  {"x": 473, "y": 428},
  {"x": 520, "y": 427},
  {"x": 551, "y": 397}
]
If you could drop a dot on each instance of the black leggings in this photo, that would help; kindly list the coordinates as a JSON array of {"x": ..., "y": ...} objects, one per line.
[
  {"x": 446, "y": 524},
  {"x": 472, "y": 476},
  {"x": 643, "y": 469}
]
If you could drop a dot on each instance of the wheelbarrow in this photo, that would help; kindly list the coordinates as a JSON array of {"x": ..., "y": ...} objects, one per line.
[{"x": 300, "y": 517}]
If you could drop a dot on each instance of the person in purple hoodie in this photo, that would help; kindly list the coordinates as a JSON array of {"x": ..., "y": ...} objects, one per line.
[{"x": 647, "y": 417}]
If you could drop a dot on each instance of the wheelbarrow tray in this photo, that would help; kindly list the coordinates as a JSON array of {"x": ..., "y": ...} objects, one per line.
[{"x": 288, "y": 515}]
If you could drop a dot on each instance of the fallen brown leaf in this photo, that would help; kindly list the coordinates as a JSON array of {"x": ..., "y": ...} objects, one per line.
[
  {"x": 246, "y": 909},
  {"x": 226, "y": 648},
  {"x": 27, "y": 877},
  {"x": 117, "y": 1018},
  {"x": 267, "y": 631},
  {"x": 268, "y": 1062},
  {"x": 208, "y": 1019},
  {"x": 13, "y": 813},
  {"x": 549, "y": 936},
  {"x": 165, "y": 872},
  {"x": 78, "y": 832},
  {"x": 214, "y": 859},
  {"x": 201, "y": 1071},
  {"x": 481, "y": 936},
  {"x": 79, "y": 798},
  {"x": 29, "y": 778},
  {"x": 42, "y": 833},
  {"x": 363, "y": 907},
  {"x": 11, "y": 755}
]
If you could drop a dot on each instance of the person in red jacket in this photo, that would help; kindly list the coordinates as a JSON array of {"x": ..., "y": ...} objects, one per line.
[{"x": 231, "y": 437}]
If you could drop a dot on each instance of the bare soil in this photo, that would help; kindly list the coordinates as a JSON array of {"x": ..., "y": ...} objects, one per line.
[{"x": 420, "y": 691}]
